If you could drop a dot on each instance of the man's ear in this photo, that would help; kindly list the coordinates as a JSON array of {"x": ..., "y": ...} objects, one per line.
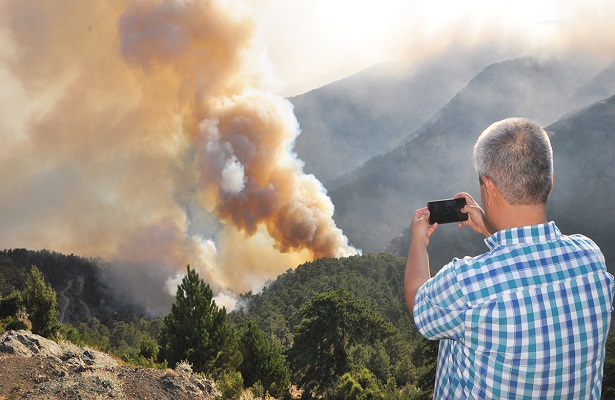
[{"x": 491, "y": 191}]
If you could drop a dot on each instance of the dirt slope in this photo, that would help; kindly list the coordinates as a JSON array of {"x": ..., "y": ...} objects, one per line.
[{"x": 32, "y": 367}]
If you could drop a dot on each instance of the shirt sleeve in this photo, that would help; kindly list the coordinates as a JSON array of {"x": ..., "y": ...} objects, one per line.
[{"x": 440, "y": 305}]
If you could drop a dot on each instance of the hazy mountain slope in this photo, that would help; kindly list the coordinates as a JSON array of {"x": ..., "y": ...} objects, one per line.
[
  {"x": 583, "y": 145},
  {"x": 375, "y": 203},
  {"x": 584, "y": 189},
  {"x": 347, "y": 122},
  {"x": 599, "y": 87}
]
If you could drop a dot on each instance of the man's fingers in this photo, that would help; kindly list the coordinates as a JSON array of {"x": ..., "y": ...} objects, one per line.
[
  {"x": 431, "y": 229},
  {"x": 469, "y": 199},
  {"x": 421, "y": 214}
]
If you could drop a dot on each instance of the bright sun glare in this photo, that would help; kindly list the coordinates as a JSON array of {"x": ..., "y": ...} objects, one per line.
[
  {"x": 363, "y": 18},
  {"x": 318, "y": 38}
]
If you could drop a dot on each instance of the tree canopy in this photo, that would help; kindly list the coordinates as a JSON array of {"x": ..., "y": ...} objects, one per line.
[
  {"x": 196, "y": 330},
  {"x": 39, "y": 300},
  {"x": 332, "y": 323},
  {"x": 263, "y": 362}
]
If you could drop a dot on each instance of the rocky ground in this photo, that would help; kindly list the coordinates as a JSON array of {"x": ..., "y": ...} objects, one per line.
[{"x": 32, "y": 367}]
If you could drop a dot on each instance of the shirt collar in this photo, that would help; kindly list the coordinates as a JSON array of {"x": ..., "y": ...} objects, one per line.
[{"x": 524, "y": 234}]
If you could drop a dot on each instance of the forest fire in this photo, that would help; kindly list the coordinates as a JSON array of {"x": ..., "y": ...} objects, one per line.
[{"x": 164, "y": 147}]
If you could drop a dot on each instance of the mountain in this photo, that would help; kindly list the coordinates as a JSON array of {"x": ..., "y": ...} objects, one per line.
[
  {"x": 584, "y": 191},
  {"x": 81, "y": 284},
  {"x": 599, "y": 87},
  {"x": 374, "y": 203},
  {"x": 347, "y": 122}
]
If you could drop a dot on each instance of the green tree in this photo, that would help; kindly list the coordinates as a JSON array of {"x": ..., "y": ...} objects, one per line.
[
  {"x": 196, "y": 330},
  {"x": 426, "y": 355},
  {"x": 332, "y": 323},
  {"x": 263, "y": 361},
  {"x": 40, "y": 301},
  {"x": 148, "y": 348}
]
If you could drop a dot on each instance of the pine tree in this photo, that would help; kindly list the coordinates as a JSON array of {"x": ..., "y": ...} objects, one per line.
[
  {"x": 41, "y": 304},
  {"x": 263, "y": 362},
  {"x": 196, "y": 330},
  {"x": 332, "y": 323}
]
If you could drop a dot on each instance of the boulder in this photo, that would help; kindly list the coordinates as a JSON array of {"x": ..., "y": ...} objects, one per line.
[{"x": 27, "y": 344}]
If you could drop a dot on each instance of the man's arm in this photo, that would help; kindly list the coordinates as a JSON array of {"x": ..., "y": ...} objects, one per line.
[{"x": 417, "y": 267}]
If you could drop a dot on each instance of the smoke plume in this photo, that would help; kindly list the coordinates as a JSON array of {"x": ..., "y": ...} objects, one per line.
[{"x": 147, "y": 133}]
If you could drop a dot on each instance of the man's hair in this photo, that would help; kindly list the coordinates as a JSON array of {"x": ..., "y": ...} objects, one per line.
[{"x": 516, "y": 155}]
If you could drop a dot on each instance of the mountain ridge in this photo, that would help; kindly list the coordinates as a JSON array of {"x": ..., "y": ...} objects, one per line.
[
  {"x": 436, "y": 161},
  {"x": 347, "y": 122}
]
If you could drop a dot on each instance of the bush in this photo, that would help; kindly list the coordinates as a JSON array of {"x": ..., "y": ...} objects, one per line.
[
  {"x": 19, "y": 325},
  {"x": 358, "y": 386},
  {"x": 230, "y": 385},
  {"x": 148, "y": 348},
  {"x": 9, "y": 305}
]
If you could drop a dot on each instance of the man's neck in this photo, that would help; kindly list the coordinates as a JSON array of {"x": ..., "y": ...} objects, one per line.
[{"x": 513, "y": 216}]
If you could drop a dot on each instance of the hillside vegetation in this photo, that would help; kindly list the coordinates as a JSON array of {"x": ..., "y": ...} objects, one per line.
[
  {"x": 336, "y": 328},
  {"x": 365, "y": 290}
]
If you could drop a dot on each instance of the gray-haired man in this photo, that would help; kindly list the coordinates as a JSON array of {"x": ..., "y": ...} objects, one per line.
[{"x": 530, "y": 317}]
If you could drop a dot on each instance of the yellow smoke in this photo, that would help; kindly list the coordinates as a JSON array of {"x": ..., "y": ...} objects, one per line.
[{"x": 127, "y": 114}]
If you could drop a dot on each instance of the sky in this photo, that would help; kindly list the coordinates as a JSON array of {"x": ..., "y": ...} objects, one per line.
[
  {"x": 156, "y": 133},
  {"x": 312, "y": 43}
]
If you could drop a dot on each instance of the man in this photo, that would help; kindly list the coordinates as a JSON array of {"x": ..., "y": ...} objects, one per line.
[{"x": 529, "y": 318}]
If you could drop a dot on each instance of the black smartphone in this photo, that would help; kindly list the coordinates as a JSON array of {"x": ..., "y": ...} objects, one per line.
[{"x": 445, "y": 211}]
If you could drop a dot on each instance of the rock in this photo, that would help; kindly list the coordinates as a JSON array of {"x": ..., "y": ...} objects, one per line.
[
  {"x": 33, "y": 367},
  {"x": 98, "y": 360},
  {"x": 27, "y": 344},
  {"x": 81, "y": 359}
]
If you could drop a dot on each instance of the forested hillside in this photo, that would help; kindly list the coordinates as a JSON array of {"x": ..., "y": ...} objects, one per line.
[
  {"x": 376, "y": 279},
  {"x": 280, "y": 329},
  {"x": 336, "y": 327},
  {"x": 61, "y": 271}
]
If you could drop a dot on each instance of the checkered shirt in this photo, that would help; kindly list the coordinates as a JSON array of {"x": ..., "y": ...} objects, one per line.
[{"x": 526, "y": 320}]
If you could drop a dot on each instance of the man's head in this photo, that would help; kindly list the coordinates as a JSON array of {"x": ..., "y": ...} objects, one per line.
[{"x": 516, "y": 155}]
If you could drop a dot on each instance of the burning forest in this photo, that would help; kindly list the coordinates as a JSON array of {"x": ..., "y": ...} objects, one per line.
[{"x": 153, "y": 139}]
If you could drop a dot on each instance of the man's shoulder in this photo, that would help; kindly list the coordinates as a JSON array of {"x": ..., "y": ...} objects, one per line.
[
  {"x": 583, "y": 244},
  {"x": 459, "y": 269},
  {"x": 580, "y": 238}
]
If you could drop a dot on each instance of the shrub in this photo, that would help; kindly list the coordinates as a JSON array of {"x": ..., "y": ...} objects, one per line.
[
  {"x": 230, "y": 384},
  {"x": 19, "y": 325}
]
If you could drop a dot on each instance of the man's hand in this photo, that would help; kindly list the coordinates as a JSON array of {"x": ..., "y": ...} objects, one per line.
[
  {"x": 477, "y": 219},
  {"x": 421, "y": 230},
  {"x": 417, "y": 267}
]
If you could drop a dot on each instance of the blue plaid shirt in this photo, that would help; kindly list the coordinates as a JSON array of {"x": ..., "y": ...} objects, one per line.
[{"x": 526, "y": 320}]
